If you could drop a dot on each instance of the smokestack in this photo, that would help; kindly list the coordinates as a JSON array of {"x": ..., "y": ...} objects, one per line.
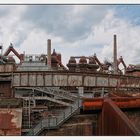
[
  {"x": 115, "y": 55},
  {"x": 1, "y": 48},
  {"x": 49, "y": 53}
]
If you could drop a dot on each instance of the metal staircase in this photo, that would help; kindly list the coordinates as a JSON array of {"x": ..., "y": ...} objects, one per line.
[
  {"x": 53, "y": 94},
  {"x": 57, "y": 92},
  {"x": 55, "y": 122},
  {"x": 47, "y": 93}
]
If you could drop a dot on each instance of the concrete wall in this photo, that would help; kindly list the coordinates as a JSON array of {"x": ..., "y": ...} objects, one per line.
[{"x": 72, "y": 79}]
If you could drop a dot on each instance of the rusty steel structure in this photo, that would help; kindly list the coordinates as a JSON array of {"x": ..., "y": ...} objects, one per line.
[
  {"x": 52, "y": 93},
  {"x": 11, "y": 120},
  {"x": 121, "y": 102},
  {"x": 11, "y": 49},
  {"x": 112, "y": 121},
  {"x": 77, "y": 79},
  {"x": 10, "y": 117},
  {"x": 119, "y": 124}
]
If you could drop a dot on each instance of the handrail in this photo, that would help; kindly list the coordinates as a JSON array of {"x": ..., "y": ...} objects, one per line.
[{"x": 55, "y": 122}]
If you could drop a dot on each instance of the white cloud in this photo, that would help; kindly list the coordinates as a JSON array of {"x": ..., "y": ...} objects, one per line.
[
  {"x": 11, "y": 27},
  {"x": 127, "y": 34},
  {"x": 99, "y": 40},
  {"x": 91, "y": 27}
]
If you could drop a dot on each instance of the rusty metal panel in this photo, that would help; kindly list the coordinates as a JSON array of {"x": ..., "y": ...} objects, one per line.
[
  {"x": 113, "y": 82},
  {"x": 32, "y": 79},
  {"x": 10, "y": 121},
  {"x": 24, "y": 79},
  {"x": 133, "y": 82},
  {"x": 137, "y": 82},
  {"x": 16, "y": 79},
  {"x": 5, "y": 89},
  {"x": 75, "y": 81},
  {"x": 1, "y": 68},
  {"x": 102, "y": 81},
  {"x": 6, "y": 68},
  {"x": 96, "y": 103},
  {"x": 68, "y": 79},
  {"x": 40, "y": 80},
  {"x": 48, "y": 80},
  {"x": 130, "y": 83},
  {"x": 123, "y": 82},
  {"x": 114, "y": 122},
  {"x": 89, "y": 81},
  {"x": 9, "y": 67},
  {"x": 60, "y": 80}
]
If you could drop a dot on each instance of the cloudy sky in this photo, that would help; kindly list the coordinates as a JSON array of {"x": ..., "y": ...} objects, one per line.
[{"x": 75, "y": 30}]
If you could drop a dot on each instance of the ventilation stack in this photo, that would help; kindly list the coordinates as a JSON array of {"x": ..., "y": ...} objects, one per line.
[
  {"x": 115, "y": 67},
  {"x": 49, "y": 53}
]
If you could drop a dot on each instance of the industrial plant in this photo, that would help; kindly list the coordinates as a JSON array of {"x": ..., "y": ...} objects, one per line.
[{"x": 40, "y": 96}]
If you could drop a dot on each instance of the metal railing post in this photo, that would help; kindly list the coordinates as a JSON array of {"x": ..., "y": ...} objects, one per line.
[
  {"x": 103, "y": 92},
  {"x": 56, "y": 120},
  {"x": 48, "y": 122},
  {"x": 41, "y": 123},
  {"x": 71, "y": 109},
  {"x": 32, "y": 132},
  {"x": 78, "y": 102},
  {"x": 64, "y": 115}
]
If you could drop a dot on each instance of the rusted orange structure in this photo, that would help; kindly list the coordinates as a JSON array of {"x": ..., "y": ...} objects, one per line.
[
  {"x": 113, "y": 122},
  {"x": 121, "y": 102},
  {"x": 45, "y": 84},
  {"x": 10, "y": 121}
]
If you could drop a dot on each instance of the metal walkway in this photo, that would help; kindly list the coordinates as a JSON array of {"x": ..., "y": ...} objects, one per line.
[
  {"x": 46, "y": 93},
  {"x": 49, "y": 99},
  {"x": 53, "y": 94},
  {"x": 55, "y": 122},
  {"x": 57, "y": 92}
]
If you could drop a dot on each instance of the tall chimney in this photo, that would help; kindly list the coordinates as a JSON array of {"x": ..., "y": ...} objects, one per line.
[
  {"x": 49, "y": 53},
  {"x": 115, "y": 55}
]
